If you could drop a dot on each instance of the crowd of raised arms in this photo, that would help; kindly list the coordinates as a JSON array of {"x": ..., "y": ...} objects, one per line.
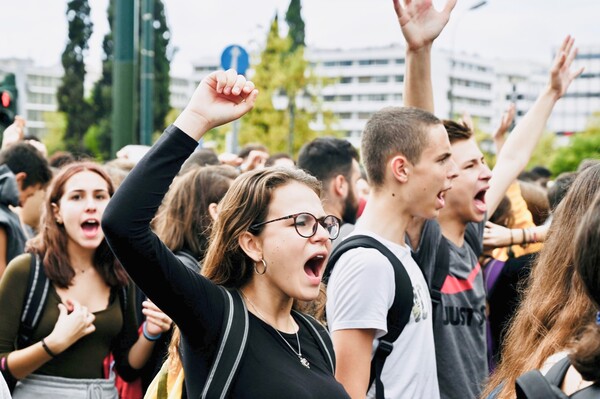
[{"x": 403, "y": 269}]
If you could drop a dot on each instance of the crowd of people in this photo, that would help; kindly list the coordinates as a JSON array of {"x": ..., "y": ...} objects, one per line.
[{"x": 179, "y": 272}]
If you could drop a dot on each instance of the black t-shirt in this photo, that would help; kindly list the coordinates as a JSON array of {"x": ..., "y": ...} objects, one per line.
[{"x": 269, "y": 368}]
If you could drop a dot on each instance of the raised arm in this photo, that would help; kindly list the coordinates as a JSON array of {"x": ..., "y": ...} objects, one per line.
[
  {"x": 520, "y": 144},
  {"x": 421, "y": 24}
]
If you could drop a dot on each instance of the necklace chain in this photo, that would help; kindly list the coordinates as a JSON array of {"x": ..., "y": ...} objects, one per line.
[{"x": 302, "y": 359}]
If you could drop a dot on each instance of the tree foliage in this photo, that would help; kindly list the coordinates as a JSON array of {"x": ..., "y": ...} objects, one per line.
[
  {"x": 70, "y": 94},
  {"x": 293, "y": 18},
  {"x": 286, "y": 70},
  {"x": 581, "y": 146}
]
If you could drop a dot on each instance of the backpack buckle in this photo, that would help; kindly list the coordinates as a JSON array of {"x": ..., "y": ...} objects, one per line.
[{"x": 436, "y": 296}]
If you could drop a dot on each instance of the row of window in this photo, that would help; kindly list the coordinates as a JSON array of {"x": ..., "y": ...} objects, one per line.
[
  {"x": 362, "y": 97},
  {"x": 371, "y": 79},
  {"x": 368, "y": 62},
  {"x": 470, "y": 83}
]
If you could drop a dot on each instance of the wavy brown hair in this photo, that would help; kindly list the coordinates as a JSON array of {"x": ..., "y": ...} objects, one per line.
[
  {"x": 183, "y": 220},
  {"x": 555, "y": 309},
  {"x": 586, "y": 352},
  {"x": 51, "y": 242}
]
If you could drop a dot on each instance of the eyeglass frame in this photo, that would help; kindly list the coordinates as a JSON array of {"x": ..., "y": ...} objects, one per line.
[{"x": 255, "y": 226}]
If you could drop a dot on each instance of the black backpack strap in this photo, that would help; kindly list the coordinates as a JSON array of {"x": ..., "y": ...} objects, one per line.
[
  {"x": 558, "y": 371},
  {"x": 473, "y": 240},
  {"x": 188, "y": 260},
  {"x": 317, "y": 330},
  {"x": 398, "y": 314},
  {"x": 37, "y": 292},
  {"x": 232, "y": 345},
  {"x": 533, "y": 385},
  {"x": 440, "y": 272}
]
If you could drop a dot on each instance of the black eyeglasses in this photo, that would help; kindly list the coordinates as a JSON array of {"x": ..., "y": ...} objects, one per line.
[{"x": 306, "y": 224}]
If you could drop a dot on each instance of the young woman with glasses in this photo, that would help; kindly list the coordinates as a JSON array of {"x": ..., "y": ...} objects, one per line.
[{"x": 269, "y": 245}]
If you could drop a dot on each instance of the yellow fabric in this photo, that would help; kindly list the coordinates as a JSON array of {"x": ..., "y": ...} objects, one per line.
[
  {"x": 522, "y": 220},
  {"x": 174, "y": 380}
]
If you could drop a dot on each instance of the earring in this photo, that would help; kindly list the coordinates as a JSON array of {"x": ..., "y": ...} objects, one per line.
[
  {"x": 58, "y": 221},
  {"x": 264, "y": 268}
]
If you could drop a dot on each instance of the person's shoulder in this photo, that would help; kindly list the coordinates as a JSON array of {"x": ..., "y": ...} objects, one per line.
[{"x": 18, "y": 269}]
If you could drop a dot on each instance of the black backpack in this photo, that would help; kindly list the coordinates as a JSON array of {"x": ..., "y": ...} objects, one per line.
[
  {"x": 534, "y": 385},
  {"x": 399, "y": 313}
]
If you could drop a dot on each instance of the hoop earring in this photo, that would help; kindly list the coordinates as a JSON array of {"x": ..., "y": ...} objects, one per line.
[{"x": 264, "y": 265}]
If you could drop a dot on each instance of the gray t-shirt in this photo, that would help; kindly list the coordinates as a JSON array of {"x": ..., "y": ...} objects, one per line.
[{"x": 459, "y": 324}]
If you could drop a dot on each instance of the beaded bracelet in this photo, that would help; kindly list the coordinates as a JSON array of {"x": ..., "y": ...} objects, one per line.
[
  {"x": 48, "y": 351},
  {"x": 147, "y": 334},
  {"x": 511, "y": 237}
]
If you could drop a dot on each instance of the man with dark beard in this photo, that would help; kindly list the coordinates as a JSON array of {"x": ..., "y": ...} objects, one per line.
[{"x": 335, "y": 163}]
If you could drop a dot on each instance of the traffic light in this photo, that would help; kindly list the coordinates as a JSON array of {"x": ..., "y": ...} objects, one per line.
[{"x": 8, "y": 101}]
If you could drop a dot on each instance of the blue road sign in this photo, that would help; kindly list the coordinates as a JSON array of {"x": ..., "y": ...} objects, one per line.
[{"x": 235, "y": 57}]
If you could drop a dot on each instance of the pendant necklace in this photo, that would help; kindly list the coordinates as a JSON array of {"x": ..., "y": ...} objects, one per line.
[{"x": 302, "y": 359}]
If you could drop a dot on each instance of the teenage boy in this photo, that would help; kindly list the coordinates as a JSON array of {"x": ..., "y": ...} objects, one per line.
[
  {"x": 406, "y": 154},
  {"x": 23, "y": 171},
  {"x": 459, "y": 327},
  {"x": 335, "y": 163}
]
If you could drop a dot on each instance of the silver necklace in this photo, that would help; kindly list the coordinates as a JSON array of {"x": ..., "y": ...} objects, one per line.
[{"x": 302, "y": 359}]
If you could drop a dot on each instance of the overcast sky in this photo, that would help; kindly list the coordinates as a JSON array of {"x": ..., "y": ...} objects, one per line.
[{"x": 528, "y": 29}]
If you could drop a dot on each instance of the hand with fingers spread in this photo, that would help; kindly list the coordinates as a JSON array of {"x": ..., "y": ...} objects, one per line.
[
  {"x": 420, "y": 22},
  {"x": 157, "y": 322},
  {"x": 505, "y": 123},
  {"x": 221, "y": 97},
  {"x": 561, "y": 74}
]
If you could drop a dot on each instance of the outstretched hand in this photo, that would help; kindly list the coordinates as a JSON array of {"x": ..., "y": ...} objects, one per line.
[
  {"x": 221, "y": 97},
  {"x": 420, "y": 22},
  {"x": 561, "y": 75}
]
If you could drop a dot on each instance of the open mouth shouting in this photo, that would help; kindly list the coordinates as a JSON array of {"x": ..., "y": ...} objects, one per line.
[
  {"x": 441, "y": 200},
  {"x": 479, "y": 200},
  {"x": 314, "y": 268},
  {"x": 90, "y": 228}
]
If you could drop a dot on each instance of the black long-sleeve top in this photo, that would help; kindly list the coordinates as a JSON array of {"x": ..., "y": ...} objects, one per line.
[{"x": 269, "y": 369}]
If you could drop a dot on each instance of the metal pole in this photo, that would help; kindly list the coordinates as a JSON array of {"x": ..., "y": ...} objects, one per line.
[
  {"x": 123, "y": 129},
  {"x": 147, "y": 73},
  {"x": 292, "y": 109}
]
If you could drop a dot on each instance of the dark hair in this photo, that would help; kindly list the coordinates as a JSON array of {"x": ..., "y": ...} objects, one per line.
[
  {"x": 541, "y": 171},
  {"x": 528, "y": 176},
  {"x": 559, "y": 189},
  {"x": 183, "y": 220},
  {"x": 457, "y": 131},
  {"x": 393, "y": 131},
  {"x": 52, "y": 241},
  {"x": 23, "y": 157},
  {"x": 61, "y": 158},
  {"x": 327, "y": 157},
  {"x": 503, "y": 215},
  {"x": 201, "y": 157},
  {"x": 586, "y": 354}
]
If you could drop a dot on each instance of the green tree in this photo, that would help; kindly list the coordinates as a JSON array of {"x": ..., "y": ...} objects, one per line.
[
  {"x": 56, "y": 124},
  {"x": 282, "y": 69},
  {"x": 162, "y": 67},
  {"x": 293, "y": 18},
  {"x": 581, "y": 146},
  {"x": 70, "y": 94}
]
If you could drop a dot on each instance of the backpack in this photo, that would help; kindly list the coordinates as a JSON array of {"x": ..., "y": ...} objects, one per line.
[
  {"x": 188, "y": 259},
  {"x": 399, "y": 313},
  {"x": 534, "y": 385},
  {"x": 231, "y": 348},
  {"x": 38, "y": 286}
]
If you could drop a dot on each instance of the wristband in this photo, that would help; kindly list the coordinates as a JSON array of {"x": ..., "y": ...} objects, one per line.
[
  {"x": 511, "y": 237},
  {"x": 48, "y": 351},
  {"x": 148, "y": 336},
  {"x": 534, "y": 236}
]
